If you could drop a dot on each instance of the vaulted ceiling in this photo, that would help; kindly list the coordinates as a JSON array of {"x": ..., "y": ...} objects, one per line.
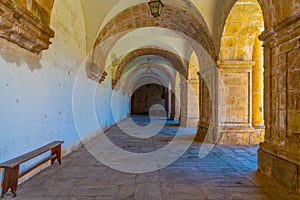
[{"x": 212, "y": 13}]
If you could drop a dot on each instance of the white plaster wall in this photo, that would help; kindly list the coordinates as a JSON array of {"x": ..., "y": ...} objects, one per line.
[{"x": 36, "y": 91}]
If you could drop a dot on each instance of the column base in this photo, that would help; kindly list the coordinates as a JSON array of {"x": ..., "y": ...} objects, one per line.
[
  {"x": 190, "y": 122},
  {"x": 206, "y": 133},
  {"x": 243, "y": 135},
  {"x": 279, "y": 165},
  {"x": 201, "y": 133}
]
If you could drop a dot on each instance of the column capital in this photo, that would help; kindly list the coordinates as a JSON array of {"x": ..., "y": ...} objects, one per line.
[
  {"x": 281, "y": 33},
  {"x": 235, "y": 63},
  {"x": 25, "y": 27},
  {"x": 238, "y": 66}
]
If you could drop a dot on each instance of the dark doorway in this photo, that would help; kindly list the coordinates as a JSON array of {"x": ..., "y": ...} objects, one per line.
[{"x": 147, "y": 96}]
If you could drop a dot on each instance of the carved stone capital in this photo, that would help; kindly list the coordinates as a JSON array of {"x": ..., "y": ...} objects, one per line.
[
  {"x": 95, "y": 73},
  {"x": 20, "y": 26},
  {"x": 284, "y": 31},
  {"x": 236, "y": 66}
]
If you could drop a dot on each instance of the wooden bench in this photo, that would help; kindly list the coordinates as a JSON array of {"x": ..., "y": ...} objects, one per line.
[{"x": 11, "y": 167}]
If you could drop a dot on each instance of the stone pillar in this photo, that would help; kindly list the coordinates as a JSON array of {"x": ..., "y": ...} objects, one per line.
[
  {"x": 257, "y": 92},
  {"x": 183, "y": 103},
  {"x": 257, "y": 83},
  {"x": 189, "y": 103},
  {"x": 278, "y": 155},
  {"x": 192, "y": 103},
  {"x": 208, "y": 101},
  {"x": 177, "y": 103},
  {"x": 236, "y": 123},
  {"x": 166, "y": 93},
  {"x": 173, "y": 105},
  {"x": 170, "y": 111}
]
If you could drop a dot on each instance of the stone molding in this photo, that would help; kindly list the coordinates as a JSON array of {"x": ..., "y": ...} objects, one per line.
[
  {"x": 21, "y": 27},
  {"x": 193, "y": 81},
  {"x": 95, "y": 73},
  {"x": 283, "y": 32},
  {"x": 238, "y": 66}
]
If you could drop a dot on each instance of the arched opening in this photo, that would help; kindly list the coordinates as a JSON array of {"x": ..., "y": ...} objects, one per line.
[
  {"x": 241, "y": 68},
  {"x": 176, "y": 61},
  {"x": 190, "y": 94},
  {"x": 145, "y": 99},
  {"x": 135, "y": 18},
  {"x": 57, "y": 93}
]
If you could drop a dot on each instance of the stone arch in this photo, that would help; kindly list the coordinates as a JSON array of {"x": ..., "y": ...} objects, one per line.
[
  {"x": 190, "y": 94},
  {"x": 265, "y": 7},
  {"x": 153, "y": 66},
  {"x": 146, "y": 79},
  {"x": 182, "y": 21},
  {"x": 243, "y": 25},
  {"x": 148, "y": 94},
  {"x": 240, "y": 66},
  {"x": 176, "y": 61},
  {"x": 194, "y": 67}
]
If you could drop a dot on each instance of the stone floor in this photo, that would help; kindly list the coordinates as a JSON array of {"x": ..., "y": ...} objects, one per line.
[{"x": 227, "y": 172}]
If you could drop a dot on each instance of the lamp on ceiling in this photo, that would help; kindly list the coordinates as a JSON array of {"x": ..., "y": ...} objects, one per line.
[
  {"x": 156, "y": 7},
  {"x": 149, "y": 70}
]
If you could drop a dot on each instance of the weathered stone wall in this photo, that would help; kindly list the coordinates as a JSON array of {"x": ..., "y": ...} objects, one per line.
[
  {"x": 39, "y": 8},
  {"x": 26, "y": 23},
  {"x": 279, "y": 154}
]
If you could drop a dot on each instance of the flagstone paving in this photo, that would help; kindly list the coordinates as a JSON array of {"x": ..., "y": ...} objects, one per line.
[{"x": 227, "y": 172}]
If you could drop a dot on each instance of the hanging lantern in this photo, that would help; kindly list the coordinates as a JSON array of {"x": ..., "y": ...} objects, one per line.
[
  {"x": 156, "y": 7},
  {"x": 149, "y": 70}
]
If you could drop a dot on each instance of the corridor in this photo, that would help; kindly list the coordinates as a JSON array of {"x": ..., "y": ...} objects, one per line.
[{"x": 227, "y": 172}]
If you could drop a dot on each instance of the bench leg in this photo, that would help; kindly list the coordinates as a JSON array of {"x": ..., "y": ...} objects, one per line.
[
  {"x": 56, "y": 151},
  {"x": 11, "y": 176}
]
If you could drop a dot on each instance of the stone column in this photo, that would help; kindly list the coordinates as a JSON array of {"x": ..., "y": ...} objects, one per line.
[
  {"x": 208, "y": 101},
  {"x": 278, "y": 155},
  {"x": 235, "y": 125},
  {"x": 173, "y": 105},
  {"x": 189, "y": 103},
  {"x": 183, "y": 103},
  {"x": 166, "y": 92},
  {"x": 192, "y": 103},
  {"x": 170, "y": 111},
  {"x": 177, "y": 103},
  {"x": 257, "y": 92}
]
